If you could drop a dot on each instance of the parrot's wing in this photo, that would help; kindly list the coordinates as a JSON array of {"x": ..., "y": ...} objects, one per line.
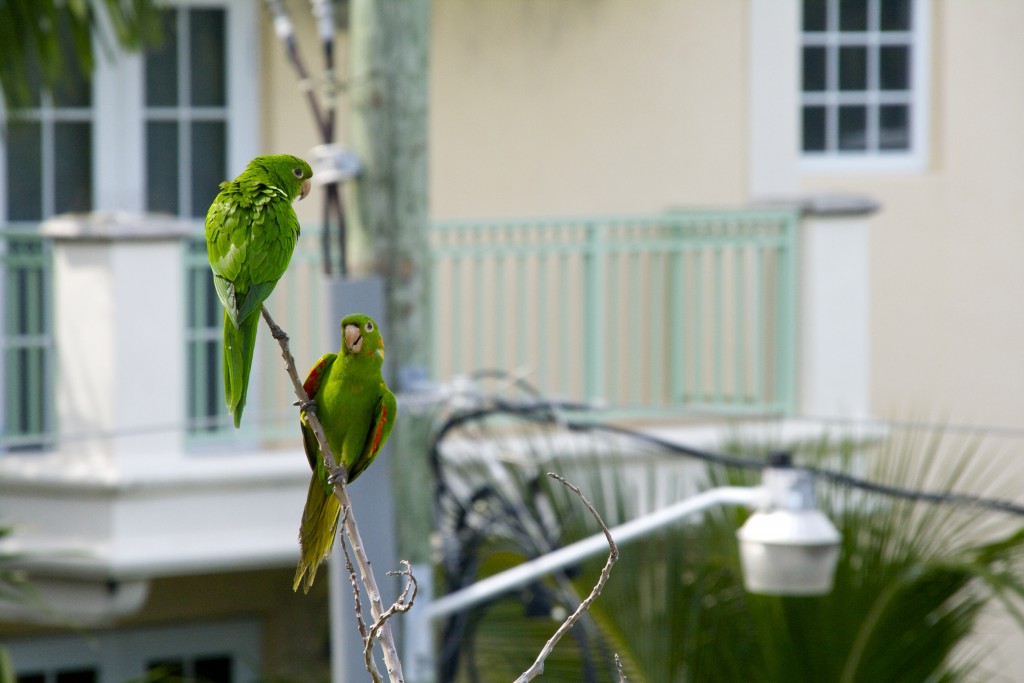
[
  {"x": 226, "y": 294},
  {"x": 312, "y": 386},
  {"x": 275, "y": 229},
  {"x": 255, "y": 297},
  {"x": 309, "y": 442},
  {"x": 317, "y": 373},
  {"x": 227, "y": 233},
  {"x": 377, "y": 435}
]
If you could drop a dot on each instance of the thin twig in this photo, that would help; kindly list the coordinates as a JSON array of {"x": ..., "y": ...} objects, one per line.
[
  {"x": 400, "y": 605},
  {"x": 620, "y": 675},
  {"x": 537, "y": 668},
  {"x": 369, "y": 663},
  {"x": 387, "y": 639},
  {"x": 352, "y": 579}
]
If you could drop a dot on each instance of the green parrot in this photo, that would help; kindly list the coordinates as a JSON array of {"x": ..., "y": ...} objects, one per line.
[
  {"x": 251, "y": 230},
  {"x": 357, "y": 412}
]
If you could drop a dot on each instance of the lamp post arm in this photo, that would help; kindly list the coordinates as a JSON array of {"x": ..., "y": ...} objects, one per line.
[{"x": 523, "y": 574}]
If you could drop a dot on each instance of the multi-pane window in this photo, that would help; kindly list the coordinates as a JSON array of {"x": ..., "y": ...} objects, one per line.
[
  {"x": 47, "y": 166},
  {"x": 196, "y": 652},
  {"x": 209, "y": 669},
  {"x": 186, "y": 159},
  {"x": 861, "y": 91},
  {"x": 186, "y": 112},
  {"x": 48, "y": 152}
]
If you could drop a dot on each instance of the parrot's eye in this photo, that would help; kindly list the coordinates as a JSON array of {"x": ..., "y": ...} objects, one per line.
[
  {"x": 369, "y": 327},
  {"x": 297, "y": 171}
]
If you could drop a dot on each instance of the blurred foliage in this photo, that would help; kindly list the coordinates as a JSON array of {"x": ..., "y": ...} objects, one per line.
[
  {"x": 912, "y": 579},
  {"x": 51, "y": 43}
]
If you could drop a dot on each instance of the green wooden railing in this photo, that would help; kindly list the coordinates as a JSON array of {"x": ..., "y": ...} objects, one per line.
[
  {"x": 26, "y": 340},
  {"x": 675, "y": 310},
  {"x": 296, "y": 307},
  {"x": 681, "y": 310}
]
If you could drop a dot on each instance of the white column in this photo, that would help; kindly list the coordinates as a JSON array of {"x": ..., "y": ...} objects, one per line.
[
  {"x": 835, "y": 333},
  {"x": 119, "y": 331},
  {"x": 774, "y": 86}
]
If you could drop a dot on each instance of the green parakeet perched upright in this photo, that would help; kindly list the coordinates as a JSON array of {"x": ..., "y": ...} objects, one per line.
[
  {"x": 251, "y": 230},
  {"x": 357, "y": 411}
]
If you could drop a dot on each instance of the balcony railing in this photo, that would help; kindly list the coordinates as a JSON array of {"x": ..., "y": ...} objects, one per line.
[
  {"x": 667, "y": 311},
  {"x": 680, "y": 310},
  {"x": 26, "y": 405}
]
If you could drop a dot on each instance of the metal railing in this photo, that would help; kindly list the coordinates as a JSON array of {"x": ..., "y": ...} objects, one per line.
[{"x": 676, "y": 310}]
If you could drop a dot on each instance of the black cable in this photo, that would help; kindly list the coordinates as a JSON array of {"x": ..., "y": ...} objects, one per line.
[{"x": 549, "y": 412}]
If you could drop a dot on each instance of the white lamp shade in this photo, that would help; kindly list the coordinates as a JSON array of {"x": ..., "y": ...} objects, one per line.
[{"x": 788, "y": 552}]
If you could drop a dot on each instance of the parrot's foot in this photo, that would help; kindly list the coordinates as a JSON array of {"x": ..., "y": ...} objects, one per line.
[
  {"x": 338, "y": 475},
  {"x": 306, "y": 406}
]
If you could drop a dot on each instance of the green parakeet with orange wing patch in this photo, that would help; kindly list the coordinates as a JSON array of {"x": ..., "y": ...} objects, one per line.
[
  {"x": 251, "y": 230},
  {"x": 357, "y": 411}
]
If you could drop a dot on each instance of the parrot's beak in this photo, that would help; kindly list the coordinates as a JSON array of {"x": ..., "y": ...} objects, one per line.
[
  {"x": 305, "y": 189},
  {"x": 353, "y": 338}
]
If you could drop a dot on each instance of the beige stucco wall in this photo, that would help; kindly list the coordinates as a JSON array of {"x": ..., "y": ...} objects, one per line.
[
  {"x": 947, "y": 272},
  {"x": 591, "y": 106},
  {"x": 569, "y": 107},
  {"x": 584, "y": 106}
]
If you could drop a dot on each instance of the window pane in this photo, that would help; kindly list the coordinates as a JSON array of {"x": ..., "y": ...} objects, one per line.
[
  {"x": 209, "y": 161},
  {"x": 853, "y": 15},
  {"x": 165, "y": 670},
  {"x": 162, "y": 66},
  {"x": 895, "y": 15},
  {"x": 213, "y": 670},
  {"x": 853, "y": 68},
  {"x": 162, "y": 166},
  {"x": 814, "y": 129},
  {"x": 207, "y": 53},
  {"x": 79, "y": 676},
  {"x": 814, "y": 15},
  {"x": 814, "y": 69},
  {"x": 24, "y": 171},
  {"x": 894, "y": 67},
  {"x": 73, "y": 167},
  {"x": 74, "y": 88},
  {"x": 853, "y": 128},
  {"x": 894, "y": 127}
]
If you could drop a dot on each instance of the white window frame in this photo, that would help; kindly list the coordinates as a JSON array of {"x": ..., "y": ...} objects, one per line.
[
  {"x": 119, "y": 142},
  {"x": 919, "y": 39},
  {"x": 123, "y": 654}
]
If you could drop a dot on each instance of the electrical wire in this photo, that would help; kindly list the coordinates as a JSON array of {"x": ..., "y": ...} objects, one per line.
[{"x": 543, "y": 412}]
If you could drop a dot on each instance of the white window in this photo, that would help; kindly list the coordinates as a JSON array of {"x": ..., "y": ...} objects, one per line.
[
  {"x": 186, "y": 112},
  {"x": 227, "y": 652},
  {"x": 144, "y": 132},
  {"x": 864, "y": 83}
]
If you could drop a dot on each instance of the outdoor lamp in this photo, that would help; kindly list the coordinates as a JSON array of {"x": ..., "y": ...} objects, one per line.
[{"x": 788, "y": 546}]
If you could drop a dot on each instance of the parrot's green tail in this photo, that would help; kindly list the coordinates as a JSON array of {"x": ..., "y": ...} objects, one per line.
[
  {"x": 239, "y": 344},
  {"x": 316, "y": 535}
]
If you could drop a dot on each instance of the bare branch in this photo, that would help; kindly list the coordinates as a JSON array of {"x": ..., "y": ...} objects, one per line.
[
  {"x": 353, "y": 580},
  {"x": 400, "y": 605},
  {"x": 537, "y": 668},
  {"x": 369, "y": 663},
  {"x": 387, "y": 639},
  {"x": 620, "y": 676}
]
